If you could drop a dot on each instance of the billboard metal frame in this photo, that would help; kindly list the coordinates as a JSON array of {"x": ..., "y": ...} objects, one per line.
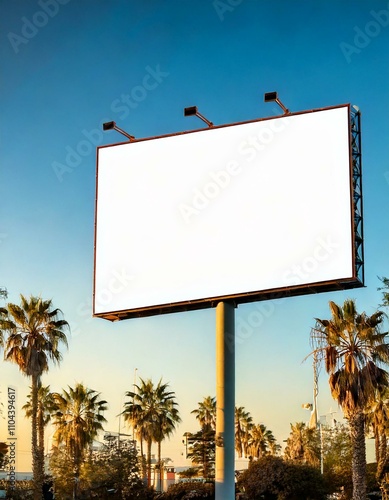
[
  {"x": 356, "y": 157},
  {"x": 356, "y": 200}
]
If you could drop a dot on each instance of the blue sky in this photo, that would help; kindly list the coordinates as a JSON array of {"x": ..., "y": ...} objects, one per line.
[{"x": 65, "y": 67}]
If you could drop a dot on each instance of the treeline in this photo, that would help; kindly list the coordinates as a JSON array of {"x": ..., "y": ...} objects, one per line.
[{"x": 352, "y": 347}]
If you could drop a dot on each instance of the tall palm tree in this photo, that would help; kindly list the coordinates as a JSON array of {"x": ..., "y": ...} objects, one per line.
[
  {"x": 354, "y": 351},
  {"x": 35, "y": 332},
  {"x": 152, "y": 412},
  {"x": 78, "y": 419},
  {"x": 243, "y": 425},
  {"x": 46, "y": 407}
]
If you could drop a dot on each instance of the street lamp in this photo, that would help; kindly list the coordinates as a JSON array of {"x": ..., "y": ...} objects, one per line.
[{"x": 314, "y": 422}]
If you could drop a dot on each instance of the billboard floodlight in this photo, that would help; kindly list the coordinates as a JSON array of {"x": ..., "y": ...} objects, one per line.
[
  {"x": 273, "y": 96},
  {"x": 192, "y": 111},
  {"x": 113, "y": 126}
]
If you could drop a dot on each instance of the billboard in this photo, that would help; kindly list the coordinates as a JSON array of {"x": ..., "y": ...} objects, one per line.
[{"x": 238, "y": 212}]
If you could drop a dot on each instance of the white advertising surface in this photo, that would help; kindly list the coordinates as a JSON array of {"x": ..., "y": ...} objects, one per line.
[{"x": 227, "y": 212}]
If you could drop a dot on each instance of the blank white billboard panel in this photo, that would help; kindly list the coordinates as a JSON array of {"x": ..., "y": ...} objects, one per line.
[{"x": 228, "y": 212}]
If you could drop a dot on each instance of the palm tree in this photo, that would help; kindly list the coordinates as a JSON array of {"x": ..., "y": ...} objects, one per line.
[
  {"x": 377, "y": 419},
  {"x": 354, "y": 352},
  {"x": 243, "y": 425},
  {"x": 203, "y": 442},
  {"x": 303, "y": 444},
  {"x": 133, "y": 416},
  {"x": 274, "y": 447},
  {"x": 153, "y": 413},
  {"x": 78, "y": 419},
  {"x": 35, "y": 333},
  {"x": 168, "y": 420},
  {"x": 46, "y": 407},
  {"x": 206, "y": 413},
  {"x": 261, "y": 441}
]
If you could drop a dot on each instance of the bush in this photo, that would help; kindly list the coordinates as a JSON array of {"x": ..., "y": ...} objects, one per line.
[
  {"x": 188, "y": 490},
  {"x": 273, "y": 478},
  {"x": 22, "y": 490}
]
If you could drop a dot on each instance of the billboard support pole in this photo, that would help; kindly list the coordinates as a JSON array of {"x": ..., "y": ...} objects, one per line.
[{"x": 225, "y": 402}]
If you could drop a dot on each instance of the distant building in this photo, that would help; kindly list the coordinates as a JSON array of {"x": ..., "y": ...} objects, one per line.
[{"x": 168, "y": 475}]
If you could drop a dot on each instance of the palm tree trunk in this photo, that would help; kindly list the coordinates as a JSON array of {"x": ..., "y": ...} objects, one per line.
[
  {"x": 205, "y": 461},
  {"x": 144, "y": 471},
  {"x": 381, "y": 462},
  {"x": 77, "y": 467},
  {"x": 160, "y": 466},
  {"x": 148, "y": 462},
  {"x": 37, "y": 469},
  {"x": 238, "y": 439},
  {"x": 41, "y": 443},
  {"x": 357, "y": 430},
  {"x": 384, "y": 453},
  {"x": 247, "y": 447},
  {"x": 377, "y": 444}
]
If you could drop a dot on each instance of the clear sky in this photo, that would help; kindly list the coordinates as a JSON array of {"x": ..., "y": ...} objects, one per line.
[{"x": 65, "y": 67}]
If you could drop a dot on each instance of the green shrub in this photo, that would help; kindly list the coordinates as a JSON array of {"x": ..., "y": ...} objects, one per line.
[
  {"x": 190, "y": 489},
  {"x": 272, "y": 478}
]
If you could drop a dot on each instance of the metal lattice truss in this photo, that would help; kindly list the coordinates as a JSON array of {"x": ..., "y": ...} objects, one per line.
[{"x": 357, "y": 190}]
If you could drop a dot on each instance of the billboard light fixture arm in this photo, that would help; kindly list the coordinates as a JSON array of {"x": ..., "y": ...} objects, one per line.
[
  {"x": 273, "y": 97},
  {"x": 113, "y": 126},
  {"x": 192, "y": 111}
]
